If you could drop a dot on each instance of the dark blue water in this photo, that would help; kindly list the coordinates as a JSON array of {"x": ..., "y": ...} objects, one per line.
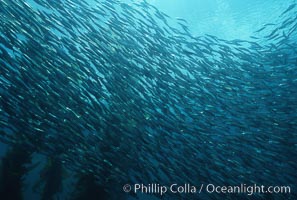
[{"x": 99, "y": 94}]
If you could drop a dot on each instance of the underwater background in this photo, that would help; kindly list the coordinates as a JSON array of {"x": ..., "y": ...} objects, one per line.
[{"x": 98, "y": 94}]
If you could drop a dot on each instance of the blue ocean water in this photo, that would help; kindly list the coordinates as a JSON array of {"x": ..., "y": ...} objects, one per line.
[
  {"x": 99, "y": 94},
  {"x": 226, "y": 19}
]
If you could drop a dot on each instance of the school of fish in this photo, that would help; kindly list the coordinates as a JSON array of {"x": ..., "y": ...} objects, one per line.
[{"x": 126, "y": 93}]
